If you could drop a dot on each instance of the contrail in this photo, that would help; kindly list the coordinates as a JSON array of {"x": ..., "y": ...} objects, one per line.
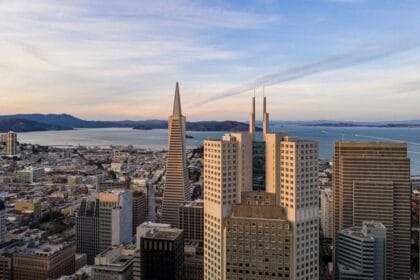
[{"x": 357, "y": 56}]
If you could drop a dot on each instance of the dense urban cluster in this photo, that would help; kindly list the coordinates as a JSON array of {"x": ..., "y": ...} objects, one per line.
[{"x": 237, "y": 208}]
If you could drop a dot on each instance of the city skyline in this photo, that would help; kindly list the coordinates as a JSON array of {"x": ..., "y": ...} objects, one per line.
[{"x": 317, "y": 59}]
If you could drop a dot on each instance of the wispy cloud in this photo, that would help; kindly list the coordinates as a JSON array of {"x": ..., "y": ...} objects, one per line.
[{"x": 354, "y": 57}]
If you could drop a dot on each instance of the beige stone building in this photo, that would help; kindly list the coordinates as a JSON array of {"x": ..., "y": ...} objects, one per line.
[
  {"x": 258, "y": 239},
  {"x": 371, "y": 181},
  {"x": 220, "y": 193},
  {"x": 289, "y": 169}
]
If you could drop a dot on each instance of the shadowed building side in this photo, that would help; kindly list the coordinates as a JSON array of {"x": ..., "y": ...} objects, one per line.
[
  {"x": 177, "y": 186},
  {"x": 372, "y": 182}
]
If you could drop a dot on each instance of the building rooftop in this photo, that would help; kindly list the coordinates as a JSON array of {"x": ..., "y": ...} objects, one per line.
[
  {"x": 163, "y": 233},
  {"x": 259, "y": 211},
  {"x": 366, "y": 232},
  {"x": 196, "y": 203},
  {"x": 116, "y": 257},
  {"x": 42, "y": 249}
]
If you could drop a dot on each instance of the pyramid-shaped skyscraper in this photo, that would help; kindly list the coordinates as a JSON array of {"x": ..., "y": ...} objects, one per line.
[{"x": 177, "y": 186}]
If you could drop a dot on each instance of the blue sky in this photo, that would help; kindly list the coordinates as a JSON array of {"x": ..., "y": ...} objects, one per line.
[{"x": 108, "y": 60}]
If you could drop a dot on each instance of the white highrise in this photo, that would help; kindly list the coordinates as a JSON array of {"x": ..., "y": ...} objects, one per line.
[{"x": 115, "y": 218}]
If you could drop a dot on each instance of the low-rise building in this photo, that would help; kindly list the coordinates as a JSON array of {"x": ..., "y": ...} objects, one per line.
[
  {"x": 45, "y": 261},
  {"x": 114, "y": 263}
]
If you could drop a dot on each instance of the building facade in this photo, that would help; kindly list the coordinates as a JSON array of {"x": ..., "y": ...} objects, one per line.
[
  {"x": 140, "y": 209},
  {"x": 291, "y": 175},
  {"x": 115, "y": 263},
  {"x": 191, "y": 220},
  {"x": 326, "y": 213},
  {"x": 300, "y": 196},
  {"x": 11, "y": 143},
  {"x": 2, "y": 221},
  {"x": 258, "y": 239},
  {"x": 161, "y": 252},
  {"x": 177, "y": 185},
  {"x": 220, "y": 193},
  {"x": 361, "y": 252},
  {"x": 44, "y": 262},
  {"x": 87, "y": 229},
  {"x": 371, "y": 181},
  {"x": 115, "y": 218}
]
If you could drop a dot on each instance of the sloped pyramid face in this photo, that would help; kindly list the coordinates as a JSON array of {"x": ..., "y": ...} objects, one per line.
[{"x": 177, "y": 186}]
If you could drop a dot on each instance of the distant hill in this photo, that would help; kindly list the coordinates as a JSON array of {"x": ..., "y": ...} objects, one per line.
[
  {"x": 199, "y": 126},
  {"x": 351, "y": 124},
  {"x": 41, "y": 122},
  {"x": 22, "y": 125},
  {"x": 218, "y": 126}
]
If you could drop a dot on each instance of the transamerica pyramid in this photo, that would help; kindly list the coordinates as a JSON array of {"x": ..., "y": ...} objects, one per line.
[{"x": 177, "y": 186}]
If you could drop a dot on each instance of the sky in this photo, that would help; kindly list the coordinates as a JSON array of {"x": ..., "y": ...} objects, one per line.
[{"x": 116, "y": 60}]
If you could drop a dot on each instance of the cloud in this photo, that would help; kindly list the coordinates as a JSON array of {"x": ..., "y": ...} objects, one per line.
[{"x": 354, "y": 57}]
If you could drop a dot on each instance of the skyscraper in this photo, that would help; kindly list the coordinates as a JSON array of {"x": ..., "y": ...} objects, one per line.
[
  {"x": 300, "y": 196},
  {"x": 11, "y": 143},
  {"x": 371, "y": 181},
  {"x": 191, "y": 220},
  {"x": 220, "y": 192},
  {"x": 289, "y": 172},
  {"x": 326, "y": 213},
  {"x": 361, "y": 252},
  {"x": 177, "y": 186},
  {"x": 161, "y": 252},
  {"x": 87, "y": 229},
  {"x": 115, "y": 218},
  {"x": 140, "y": 209}
]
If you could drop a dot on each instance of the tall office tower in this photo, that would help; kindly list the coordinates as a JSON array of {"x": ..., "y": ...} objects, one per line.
[
  {"x": 244, "y": 160},
  {"x": 220, "y": 192},
  {"x": 140, "y": 209},
  {"x": 258, "y": 239},
  {"x": 300, "y": 196},
  {"x": 191, "y": 220},
  {"x": 291, "y": 173},
  {"x": 371, "y": 181},
  {"x": 361, "y": 252},
  {"x": 2, "y": 221},
  {"x": 326, "y": 213},
  {"x": 161, "y": 252},
  {"x": 115, "y": 218},
  {"x": 87, "y": 229},
  {"x": 11, "y": 143},
  {"x": 177, "y": 186}
]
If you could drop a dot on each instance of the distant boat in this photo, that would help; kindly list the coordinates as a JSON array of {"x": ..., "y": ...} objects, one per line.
[{"x": 189, "y": 136}]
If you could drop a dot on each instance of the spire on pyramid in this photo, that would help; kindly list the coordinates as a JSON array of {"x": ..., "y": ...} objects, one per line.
[{"x": 177, "y": 102}]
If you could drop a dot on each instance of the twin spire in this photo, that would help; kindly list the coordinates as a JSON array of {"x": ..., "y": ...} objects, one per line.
[
  {"x": 178, "y": 112},
  {"x": 265, "y": 116}
]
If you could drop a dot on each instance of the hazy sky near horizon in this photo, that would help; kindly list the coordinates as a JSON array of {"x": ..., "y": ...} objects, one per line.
[{"x": 113, "y": 60}]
